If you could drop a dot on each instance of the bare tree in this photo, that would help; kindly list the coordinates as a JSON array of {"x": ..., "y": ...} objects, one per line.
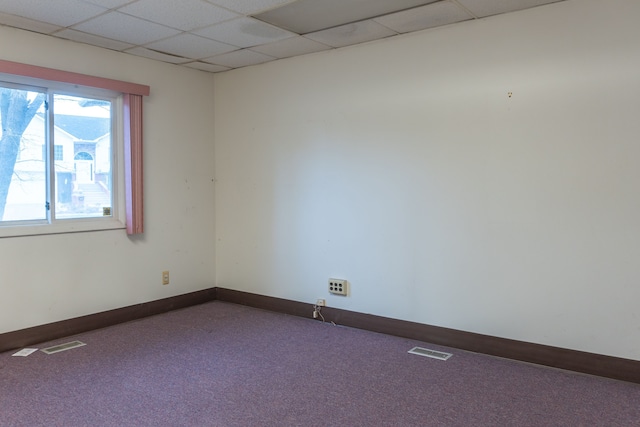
[{"x": 16, "y": 112}]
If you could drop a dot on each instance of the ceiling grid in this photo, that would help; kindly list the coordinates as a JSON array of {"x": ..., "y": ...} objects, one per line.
[{"x": 219, "y": 35}]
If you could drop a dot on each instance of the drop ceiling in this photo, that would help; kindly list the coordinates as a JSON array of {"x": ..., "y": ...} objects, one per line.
[{"x": 219, "y": 35}]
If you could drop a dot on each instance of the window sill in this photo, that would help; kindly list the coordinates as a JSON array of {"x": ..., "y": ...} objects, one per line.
[{"x": 61, "y": 227}]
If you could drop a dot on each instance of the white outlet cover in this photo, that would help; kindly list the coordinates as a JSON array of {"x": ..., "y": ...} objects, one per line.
[{"x": 338, "y": 286}]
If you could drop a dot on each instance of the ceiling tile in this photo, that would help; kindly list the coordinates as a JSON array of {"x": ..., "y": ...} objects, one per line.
[
  {"x": 81, "y": 37},
  {"x": 60, "y": 12},
  {"x": 290, "y": 47},
  {"x": 111, "y": 4},
  {"x": 349, "y": 34},
  {"x": 118, "y": 26},
  {"x": 482, "y": 8},
  {"x": 184, "y": 14},
  {"x": 212, "y": 68},
  {"x": 247, "y": 7},
  {"x": 306, "y": 16},
  {"x": 244, "y": 32},
  {"x": 423, "y": 17},
  {"x": 240, "y": 58},
  {"x": 191, "y": 46},
  {"x": 27, "y": 24},
  {"x": 158, "y": 56}
]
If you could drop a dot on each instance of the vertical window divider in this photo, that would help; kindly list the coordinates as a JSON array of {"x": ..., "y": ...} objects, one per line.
[{"x": 50, "y": 167}]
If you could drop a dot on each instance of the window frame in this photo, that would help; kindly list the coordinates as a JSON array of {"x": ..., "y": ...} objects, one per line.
[
  {"x": 54, "y": 223},
  {"x": 127, "y": 209}
]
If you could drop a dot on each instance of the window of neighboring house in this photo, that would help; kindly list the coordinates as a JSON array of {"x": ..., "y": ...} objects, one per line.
[
  {"x": 70, "y": 154},
  {"x": 58, "y": 153}
]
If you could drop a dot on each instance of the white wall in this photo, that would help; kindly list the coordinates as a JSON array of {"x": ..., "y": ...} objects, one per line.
[
  {"x": 404, "y": 166},
  {"x": 49, "y": 278}
]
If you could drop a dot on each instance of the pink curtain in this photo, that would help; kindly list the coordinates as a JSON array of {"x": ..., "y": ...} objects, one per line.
[{"x": 133, "y": 163}]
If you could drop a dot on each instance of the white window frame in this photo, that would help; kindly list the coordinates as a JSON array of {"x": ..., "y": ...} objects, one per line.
[{"x": 52, "y": 225}]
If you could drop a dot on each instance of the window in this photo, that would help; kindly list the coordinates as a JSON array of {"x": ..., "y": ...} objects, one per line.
[
  {"x": 58, "y": 153},
  {"x": 70, "y": 152},
  {"x": 49, "y": 188}
]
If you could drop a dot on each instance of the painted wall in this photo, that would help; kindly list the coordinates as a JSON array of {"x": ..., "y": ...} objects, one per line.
[
  {"x": 482, "y": 176},
  {"x": 49, "y": 278}
]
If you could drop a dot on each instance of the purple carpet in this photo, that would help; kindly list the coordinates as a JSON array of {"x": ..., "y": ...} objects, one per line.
[{"x": 221, "y": 364}]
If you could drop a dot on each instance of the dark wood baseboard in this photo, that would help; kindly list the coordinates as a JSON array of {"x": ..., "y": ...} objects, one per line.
[
  {"x": 65, "y": 328},
  {"x": 556, "y": 357}
]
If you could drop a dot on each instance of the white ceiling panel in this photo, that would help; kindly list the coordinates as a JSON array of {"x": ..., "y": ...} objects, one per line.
[
  {"x": 482, "y": 8},
  {"x": 111, "y": 4},
  {"x": 158, "y": 56},
  {"x": 306, "y": 16},
  {"x": 28, "y": 24},
  {"x": 248, "y": 7},
  {"x": 240, "y": 58},
  {"x": 429, "y": 16},
  {"x": 191, "y": 46},
  {"x": 349, "y": 34},
  {"x": 294, "y": 46},
  {"x": 204, "y": 66},
  {"x": 81, "y": 37},
  {"x": 118, "y": 26},
  {"x": 244, "y": 32},
  {"x": 59, "y": 12},
  {"x": 183, "y": 15}
]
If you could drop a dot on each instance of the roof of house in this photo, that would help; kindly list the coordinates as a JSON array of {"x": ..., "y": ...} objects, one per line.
[{"x": 82, "y": 127}]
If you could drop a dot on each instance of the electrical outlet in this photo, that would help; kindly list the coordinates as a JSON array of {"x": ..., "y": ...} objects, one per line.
[
  {"x": 321, "y": 302},
  {"x": 338, "y": 287},
  {"x": 165, "y": 277}
]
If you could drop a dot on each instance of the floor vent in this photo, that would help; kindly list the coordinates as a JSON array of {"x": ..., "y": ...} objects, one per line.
[
  {"x": 430, "y": 353},
  {"x": 63, "y": 347}
]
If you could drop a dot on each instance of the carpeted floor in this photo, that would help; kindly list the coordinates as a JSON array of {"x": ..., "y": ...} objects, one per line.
[{"x": 221, "y": 364}]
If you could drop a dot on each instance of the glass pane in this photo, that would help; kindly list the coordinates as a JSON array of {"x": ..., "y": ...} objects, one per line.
[
  {"x": 23, "y": 172},
  {"x": 82, "y": 152}
]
